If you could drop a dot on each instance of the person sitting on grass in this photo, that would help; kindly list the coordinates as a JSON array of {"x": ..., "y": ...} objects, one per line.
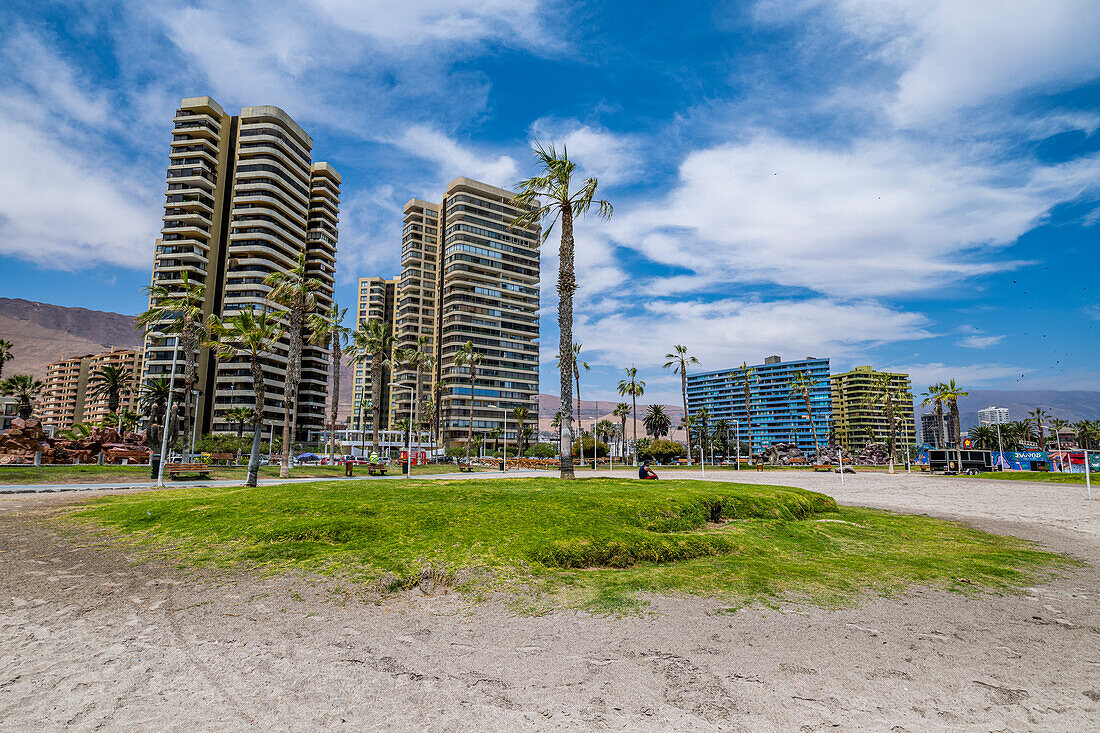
[{"x": 645, "y": 473}]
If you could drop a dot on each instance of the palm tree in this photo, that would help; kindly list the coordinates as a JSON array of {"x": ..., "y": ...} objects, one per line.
[
  {"x": 1038, "y": 418},
  {"x": 984, "y": 437},
  {"x": 466, "y": 356},
  {"x": 635, "y": 388},
  {"x": 5, "y": 354},
  {"x": 951, "y": 394},
  {"x": 415, "y": 360},
  {"x": 292, "y": 289},
  {"x": 405, "y": 425},
  {"x": 656, "y": 421},
  {"x": 155, "y": 392},
  {"x": 79, "y": 431},
  {"x": 254, "y": 335},
  {"x": 1056, "y": 425},
  {"x": 748, "y": 376},
  {"x": 1084, "y": 429},
  {"x": 800, "y": 385},
  {"x": 494, "y": 435},
  {"x": 574, "y": 357},
  {"x": 678, "y": 361},
  {"x": 25, "y": 389},
  {"x": 622, "y": 411},
  {"x": 240, "y": 416},
  {"x": 605, "y": 429},
  {"x": 886, "y": 392},
  {"x": 521, "y": 415},
  {"x": 110, "y": 383},
  {"x": 934, "y": 396},
  {"x": 124, "y": 420},
  {"x": 721, "y": 433},
  {"x": 546, "y": 197},
  {"x": 327, "y": 329},
  {"x": 179, "y": 312},
  {"x": 702, "y": 418},
  {"x": 371, "y": 344}
]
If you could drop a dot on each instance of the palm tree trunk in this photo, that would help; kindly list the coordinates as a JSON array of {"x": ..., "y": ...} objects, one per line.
[
  {"x": 580, "y": 428},
  {"x": 958, "y": 434},
  {"x": 748, "y": 417},
  {"x": 376, "y": 398},
  {"x": 684, "y": 394},
  {"x": 257, "y": 421},
  {"x": 470, "y": 427},
  {"x": 893, "y": 429},
  {"x": 634, "y": 414},
  {"x": 335, "y": 396},
  {"x": 567, "y": 284},
  {"x": 810, "y": 417}
]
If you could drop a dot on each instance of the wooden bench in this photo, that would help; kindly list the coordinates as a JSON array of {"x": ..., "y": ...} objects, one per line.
[
  {"x": 376, "y": 469},
  {"x": 823, "y": 467},
  {"x": 465, "y": 467},
  {"x": 226, "y": 458},
  {"x": 175, "y": 470}
]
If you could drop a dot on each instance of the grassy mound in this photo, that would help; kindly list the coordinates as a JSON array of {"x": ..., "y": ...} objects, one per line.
[{"x": 594, "y": 542}]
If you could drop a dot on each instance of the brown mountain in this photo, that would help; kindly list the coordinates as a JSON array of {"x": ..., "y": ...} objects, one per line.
[{"x": 41, "y": 333}]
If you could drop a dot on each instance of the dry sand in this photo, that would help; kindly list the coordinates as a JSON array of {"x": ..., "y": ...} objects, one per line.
[{"x": 90, "y": 640}]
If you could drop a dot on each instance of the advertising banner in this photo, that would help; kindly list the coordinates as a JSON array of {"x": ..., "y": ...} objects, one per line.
[{"x": 1019, "y": 460}]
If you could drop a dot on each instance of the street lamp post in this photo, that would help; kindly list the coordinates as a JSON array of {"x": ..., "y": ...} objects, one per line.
[
  {"x": 737, "y": 437},
  {"x": 167, "y": 415}
]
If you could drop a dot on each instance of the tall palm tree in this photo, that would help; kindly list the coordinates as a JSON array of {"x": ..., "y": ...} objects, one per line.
[
  {"x": 241, "y": 416},
  {"x": 521, "y": 415},
  {"x": 702, "y": 419},
  {"x": 178, "y": 311},
  {"x": 934, "y": 397},
  {"x": 678, "y": 361},
  {"x": 467, "y": 357},
  {"x": 604, "y": 430},
  {"x": 5, "y": 354},
  {"x": 292, "y": 289},
  {"x": 951, "y": 394},
  {"x": 622, "y": 411},
  {"x": 984, "y": 436},
  {"x": 371, "y": 345},
  {"x": 327, "y": 329},
  {"x": 886, "y": 392},
  {"x": 577, "y": 363},
  {"x": 656, "y": 422},
  {"x": 25, "y": 389},
  {"x": 110, "y": 383},
  {"x": 800, "y": 385},
  {"x": 254, "y": 335},
  {"x": 1039, "y": 418},
  {"x": 748, "y": 376},
  {"x": 155, "y": 392},
  {"x": 416, "y": 361},
  {"x": 547, "y": 196},
  {"x": 635, "y": 388},
  {"x": 721, "y": 433}
]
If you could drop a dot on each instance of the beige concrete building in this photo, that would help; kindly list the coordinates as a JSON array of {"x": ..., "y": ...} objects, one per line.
[
  {"x": 857, "y": 422},
  {"x": 468, "y": 276},
  {"x": 377, "y": 301},
  {"x": 244, "y": 199},
  {"x": 66, "y": 399}
]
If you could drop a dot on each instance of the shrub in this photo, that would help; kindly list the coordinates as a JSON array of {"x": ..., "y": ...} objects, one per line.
[
  {"x": 541, "y": 450},
  {"x": 661, "y": 450},
  {"x": 601, "y": 448}
]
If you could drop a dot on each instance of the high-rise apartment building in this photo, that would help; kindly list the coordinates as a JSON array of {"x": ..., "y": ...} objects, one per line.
[
  {"x": 993, "y": 416},
  {"x": 244, "y": 200},
  {"x": 941, "y": 436},
  {"x": 66, "y": 398},
  {"x": 859, "y": 417},
  {"x": 775, "y": 414},
  {"x": 377, "y": 301},
  {"x": 468, "y": 276}
]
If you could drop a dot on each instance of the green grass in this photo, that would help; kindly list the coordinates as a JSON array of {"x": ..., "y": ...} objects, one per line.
[
  {"x": 21, "y": 475},
  {"x": 1049, "y": 477},
  {"x": 591, "y": 543}
]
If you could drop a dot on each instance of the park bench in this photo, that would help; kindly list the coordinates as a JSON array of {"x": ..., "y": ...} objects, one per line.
[
  {"x": 823, "y": 467},
  {"x": 175, "y": 470},
  {"x": 225, "y": 458},
  {"x": 465, "y": 467},
  {"x": 376, "y": 469}
]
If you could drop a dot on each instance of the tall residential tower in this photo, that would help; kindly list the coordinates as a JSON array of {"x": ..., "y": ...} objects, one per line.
[{"x": 244, "y": 200}]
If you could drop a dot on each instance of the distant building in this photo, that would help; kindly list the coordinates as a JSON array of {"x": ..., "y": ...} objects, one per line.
[
  {"x": 857, "y": 420},
  {"x": 934, "y": 436},
  {"x": 66, "y": 400},
  {"x": 377, "y": 297},
  {"x": 993, "y": 416},
  {"x": 9, "y": 410},
  {"x": 775, "y": 414}
]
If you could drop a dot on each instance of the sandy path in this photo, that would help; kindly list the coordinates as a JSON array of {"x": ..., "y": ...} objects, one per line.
[{"x": 89, "y": 640}]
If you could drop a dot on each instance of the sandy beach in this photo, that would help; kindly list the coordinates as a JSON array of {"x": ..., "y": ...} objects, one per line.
[{"x": 91, "y": 640}]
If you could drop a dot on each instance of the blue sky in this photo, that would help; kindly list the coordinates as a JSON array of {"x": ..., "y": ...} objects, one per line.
[{"x": 913, "y": 185}]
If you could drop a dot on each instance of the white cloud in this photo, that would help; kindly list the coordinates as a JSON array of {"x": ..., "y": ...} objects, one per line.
[
  {"x": 980, "y": 342},
  {"x": 876, "y": 218},
  {"x": 455, "y": 160},
  {"x": 728, "y": 331},
  {"x": 965, "y": 375},
  {"x": 599, "y": 153},
  {"x": 954, "y": 55}
]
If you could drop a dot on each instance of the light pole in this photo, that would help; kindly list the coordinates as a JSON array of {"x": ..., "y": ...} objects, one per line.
[
  {"x": 167, "y": 415},
  {"x": 504, "y": 460},
  {"x": 595, "y": 440},
  {"x": 1000, "y": 445},
  {"x": 737, "y": 427}
]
